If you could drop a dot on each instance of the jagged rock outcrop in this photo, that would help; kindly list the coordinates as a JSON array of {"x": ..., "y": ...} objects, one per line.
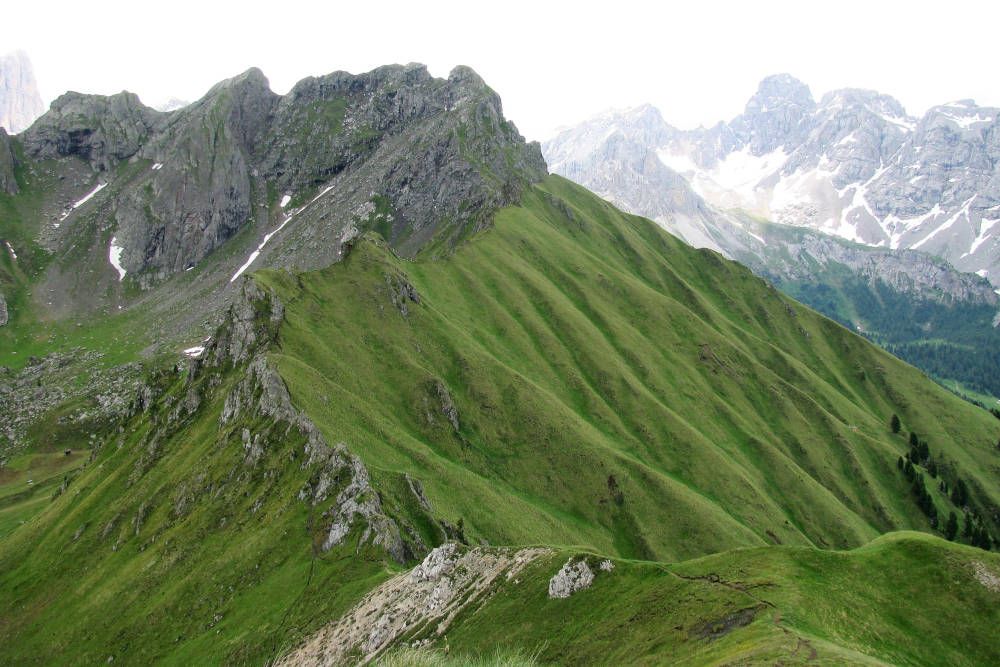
[
  {"x": 98, "y": 129},
  {"x": 8, "y": 182},
  {"x": 249, "y": 328},
  {"x": 199, "y": 194},
  {"x": 3, "y": 310},
  {"x": 423, "y": 161},
  {"x": 420, "y": 604},
  {"x": 572, "y": 577},
  {"x": 262, "y": 393},
  {"x": 20, "y": 103},
  {"x": 251, "y": 323}
]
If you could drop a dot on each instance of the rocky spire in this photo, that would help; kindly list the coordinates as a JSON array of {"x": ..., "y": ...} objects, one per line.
[{"x": 20, "y": 103}]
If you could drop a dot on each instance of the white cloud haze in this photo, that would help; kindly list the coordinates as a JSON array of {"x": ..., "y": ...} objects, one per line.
[{"x": 553, "y": 63}]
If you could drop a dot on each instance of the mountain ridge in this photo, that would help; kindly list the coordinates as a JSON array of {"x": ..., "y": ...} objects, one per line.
[
  {"x": 419, "y": 348},
  {"x": 853, "y": 165}
]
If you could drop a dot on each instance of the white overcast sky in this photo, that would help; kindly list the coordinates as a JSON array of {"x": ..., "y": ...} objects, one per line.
[{"x": 553, "y": 63}]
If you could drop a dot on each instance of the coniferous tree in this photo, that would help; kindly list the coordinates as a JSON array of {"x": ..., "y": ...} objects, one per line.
[
  {"x": 968, "y": 528},
  {"x": 981, "y": 538},
  {"x": 914, "y": 440},
  {"x": 951, "y": 528},
  {"x": 894, "y": 423},
  {"x": 960, "y": 493},
  {"x": 900, "y": 463}
]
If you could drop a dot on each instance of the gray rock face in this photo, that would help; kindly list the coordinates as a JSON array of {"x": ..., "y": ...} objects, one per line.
[
  {"x": 449, "y": 582},
  {"x": 3, "y": 310},
  {"x": 796, "y": 257},
  {"x": 613, "y": 158},
  {"x": 574, "y": 576},
  {"x": 20, "y": 103},
  {"x": 774, "y": 115},
  {"x": 610, "y": 155},
  {"x": 200, "y": 195},
  {"x": 423, "y": 161},
  {"x": 101, "y": 130},
  {"x": 854, "y": 165},
  {"x": 246, "y": 333}
]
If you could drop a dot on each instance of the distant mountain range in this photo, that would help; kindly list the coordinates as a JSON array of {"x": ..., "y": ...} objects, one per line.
[
  {"x": 847, "y": 204},
  {"x": 853, "y": 165},
  {"x": 20, "y": 103}
]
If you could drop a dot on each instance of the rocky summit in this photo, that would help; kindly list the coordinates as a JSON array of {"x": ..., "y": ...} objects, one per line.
[
  {"x": 344, "y": 376},
  {"x": 20, "y": 103}
]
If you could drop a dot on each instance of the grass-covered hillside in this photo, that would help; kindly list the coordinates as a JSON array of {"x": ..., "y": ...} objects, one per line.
[
  {"x": 614, "y": 388},
  {"x": 572, "y": 377},
  {"x": 904, "y": 599}
]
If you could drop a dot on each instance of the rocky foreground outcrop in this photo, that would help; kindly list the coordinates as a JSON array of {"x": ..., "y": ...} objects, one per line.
[{"x": 418, "y": 605}]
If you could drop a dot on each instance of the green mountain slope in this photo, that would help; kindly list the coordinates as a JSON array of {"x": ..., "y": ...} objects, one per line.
[
  {"x": 573, "y": 377},
  {"x": 620, "y": 389}
]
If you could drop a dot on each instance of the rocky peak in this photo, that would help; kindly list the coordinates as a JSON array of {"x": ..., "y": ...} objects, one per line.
[
  {"x": 776, "y": 115},
  {"x": 244, "y": 103},
  {"x": 98, "y": 129},
  {"x": 20, "y": 103},
  {"x": 425, "y": 161},
  {"x": 778, "y": 91},
  {"x": 575, "y": 147}
]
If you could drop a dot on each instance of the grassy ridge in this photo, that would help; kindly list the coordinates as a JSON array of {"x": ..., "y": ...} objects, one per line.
[
  {"x": 169, "y": 548},
  {"x": 616, "y": 389},
  {"x": 904, "y": 599},
  {"x": 573, "y": 377}
]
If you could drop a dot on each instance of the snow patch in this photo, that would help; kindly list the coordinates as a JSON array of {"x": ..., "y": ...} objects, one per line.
[
  {"x": 984, "y": 229},
  {"x": 948, "y": 223},
  {"x": 115, "y": 257},
  {"x": 158, "y": 166},
  {"x": 11, "y": 248},
  {"x": 88, "y": 197},
  {"x": 849, "y": 139},
  {"x": 966, "y": 122},
  {"x": 267, "y": 237},
  {"x": 285, "y": 200},
  {"x": 898, "y": 227},
  {"x": 682, "y": 164},
  {"x": 195, "y": 352},
  {"x": 733, "y": 181}
]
